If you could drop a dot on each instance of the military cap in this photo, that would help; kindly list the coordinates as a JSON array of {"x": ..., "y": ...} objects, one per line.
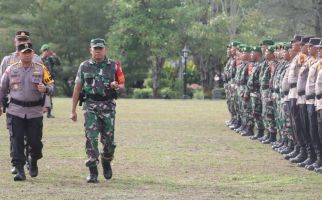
[
  {"x": 241, "y": 45},
  {"x": 98, "y": 42},
  {"x": 314, "y": 41},
  {"x": 306, "y": 39},
  {"x": 296, "y": 38},
  {"x": 22, "y": 34},
  {"x": 271, "y": 49},
  {"x": 24, "y": 47},
  {"x": 235, "y": 43},
  {"x": 267, "y": 42},
  {"x": 246, "y": 49},
  {"x": 319, "y": 45},
  {"x": 257, "y": 49},
  {"x": 287, "y": 45},
  {"x": 44, "y": 47}
]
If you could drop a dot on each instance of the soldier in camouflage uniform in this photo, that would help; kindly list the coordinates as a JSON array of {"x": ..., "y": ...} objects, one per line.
[
  {"x": 98, "y": 77},
  {"x": 276, "y": 94},
  {"x": 264, "y": 64},
  {"x": 231, "y": 85},
  {"x": 266, "y": 88},
  {"x": 245, "y": 94},
  {"x": 253, "y": 85},
  {"x": 240, "y": 88},
  {"x": 286, "y": 132},
  {"x": 227, "y": 84},
  {"x": 234, "y": 87}
]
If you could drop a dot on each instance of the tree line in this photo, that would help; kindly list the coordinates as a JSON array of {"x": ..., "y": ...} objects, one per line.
[{"x": 147, "y": 36}]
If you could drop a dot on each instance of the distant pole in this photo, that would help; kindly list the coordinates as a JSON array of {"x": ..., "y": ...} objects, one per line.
[{"x": 185, "y": 52}]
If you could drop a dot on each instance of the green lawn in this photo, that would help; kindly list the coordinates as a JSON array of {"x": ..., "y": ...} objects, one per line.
[{"x": 166, "y": 149}]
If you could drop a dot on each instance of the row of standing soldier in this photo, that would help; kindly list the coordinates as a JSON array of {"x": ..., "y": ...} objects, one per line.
[{"x": 277, "y": 88}]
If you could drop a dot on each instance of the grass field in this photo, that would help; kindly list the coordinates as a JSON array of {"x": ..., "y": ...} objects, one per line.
[{"x": 165, "y": 150}]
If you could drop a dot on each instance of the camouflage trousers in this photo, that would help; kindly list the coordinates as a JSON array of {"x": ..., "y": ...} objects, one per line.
[
  {"x": 236, "y": 105},
  {"x": 99, "y": 120},
  {"x": 269, "y": 109},
  {"x": 287, "y": 130},
  {"x": 277, "y": 105},
  {"x": 256, "y": 104},
  {"x": 247, "y": 112}
]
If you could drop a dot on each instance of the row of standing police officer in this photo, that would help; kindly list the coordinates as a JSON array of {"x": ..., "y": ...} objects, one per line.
[{"x": 277, "y": 88}]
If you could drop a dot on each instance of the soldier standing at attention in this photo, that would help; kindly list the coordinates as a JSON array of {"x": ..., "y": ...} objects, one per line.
[
  {"x": 254, "y": 88},
  {"x": 51, "y": 61},
  {"x": 98, "y": 77},
  {"x": 263, "y": 63},
  {"x": 25, "y": 81}
]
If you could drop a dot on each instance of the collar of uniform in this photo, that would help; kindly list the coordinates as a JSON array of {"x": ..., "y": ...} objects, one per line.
[
  {"x": 91, "y": 61},
  {"x": 32, "y": 64}
]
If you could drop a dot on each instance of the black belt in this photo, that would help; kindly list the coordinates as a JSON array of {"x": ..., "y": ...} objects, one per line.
[
  {"x": 319, "y": 96},
  {"x": 309, "y": 97},
  {"x": 293, "y": 85},
  {"x": 96, "y": 97},
  {"x": 27, "y": 103},
  {"x": 301, "y": 93}
]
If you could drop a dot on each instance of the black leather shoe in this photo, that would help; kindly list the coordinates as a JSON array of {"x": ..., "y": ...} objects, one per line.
[
  {"x": 308, "y": 161},
  {"x": 265, "y": 137},
  {"x": 13, "y": 170},
  {"x": 33, "y": 168},
  {"x": 313, "y": 166},
  {"x": 107, "y": 169},
  {"x": 93, "y": 174},
  {"x": 20, "y": 176}
]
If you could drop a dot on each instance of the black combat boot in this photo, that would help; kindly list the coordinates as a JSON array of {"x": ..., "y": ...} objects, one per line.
[
  {"x": 20, "y": 176},
  {"x": 288, "y": 149},
  {"x": 311, "y": 157},
  {"x": 107, "y": 169},
  {"x": 235, "y": 125},
  {"x": 317, "y": 164},
  {"x": 249, "y": 131},
  {"x": 259, "y": 134},
  {"x": 265, "y": 137},
  {"x": 272, "y": 138},
  {"x": 294, "y": 153},
  {"x": 279, "y": 144},
  {"x": 302, "y": 156},
  {"x": 237, "y": 130},
  {"x": 33, "y": 168},
  {"x": 13, "y": 170},
  {"x": 49, "y": 115},
  {"x": 93, "y": 174}
]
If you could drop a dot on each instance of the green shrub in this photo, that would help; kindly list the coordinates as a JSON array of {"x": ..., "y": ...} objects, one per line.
[
  {"x": 168, "y": 93},
  {"x": 198, "y": 94},
  {"x": 144, "y": 93}
]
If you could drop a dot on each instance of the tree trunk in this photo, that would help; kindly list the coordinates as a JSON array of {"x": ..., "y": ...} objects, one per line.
[
  {"x": 156, "y": 76},
  {"x": 318, "y": 17}
]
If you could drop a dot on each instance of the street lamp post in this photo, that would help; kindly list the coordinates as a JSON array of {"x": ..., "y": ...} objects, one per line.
[{"x": 185, "y": 52}]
